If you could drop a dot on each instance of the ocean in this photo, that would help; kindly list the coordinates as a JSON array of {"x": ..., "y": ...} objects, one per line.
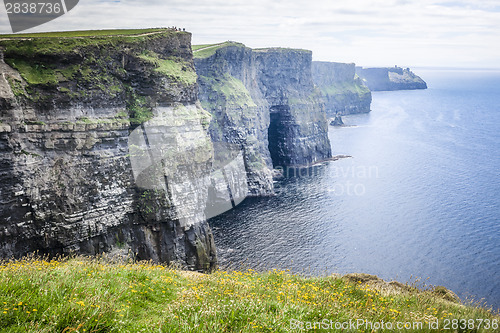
[{"x": 418, "y": 202}]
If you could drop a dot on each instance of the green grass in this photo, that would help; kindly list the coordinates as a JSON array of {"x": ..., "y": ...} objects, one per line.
[
  {"x": 34, "y": 73},
  {"x": 345, "y": 87},
  {"x": 280, "y": 49},
  {"x": 202, "y": 46},
  {"x": 84, "y": 33},
  {"x": 60, "y": 43},
  {"x": 174, "y": 67},
  {"x": 207, "y": 50},
  {"x": 63, "y": 66},
  {"x": 89, "y": 295},
  {"x": 138, "y": 108},
  {"x": 233, "y": 91}
]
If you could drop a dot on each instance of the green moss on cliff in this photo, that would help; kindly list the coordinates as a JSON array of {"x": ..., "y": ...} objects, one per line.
[
  {"x": 233, "y": 92},
  {"x": 43, "y": 73},
  {"x": 138, "y": 108},
  {"x": 345, "y": 87},
  {"x": 34, "y": 73},
  {"x": 280, "y": 49},
  {"x": 95, "y": 67},
  {"x": 16, "y": 86},
  {"x": 173, "y": 67},
  {"x": 85, "y": 33}
]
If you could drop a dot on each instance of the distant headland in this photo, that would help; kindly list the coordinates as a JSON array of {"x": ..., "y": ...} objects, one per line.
[{"x": 390, "y": 78}]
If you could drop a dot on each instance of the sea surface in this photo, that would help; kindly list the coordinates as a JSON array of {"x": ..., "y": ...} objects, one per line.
[{"x": 419, "y": 201}]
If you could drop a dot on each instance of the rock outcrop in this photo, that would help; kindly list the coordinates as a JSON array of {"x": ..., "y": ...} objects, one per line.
[
  {"x": 390, "y": 78},
  {"x": 263, "y": 100},
  {"x": 343, "y": 91},
  {"x": 104, "y": 147},
  {"x": 337, "y": 121}
]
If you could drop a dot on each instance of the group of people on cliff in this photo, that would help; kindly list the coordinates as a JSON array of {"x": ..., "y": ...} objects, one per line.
[{"x": 176, "y": 29}]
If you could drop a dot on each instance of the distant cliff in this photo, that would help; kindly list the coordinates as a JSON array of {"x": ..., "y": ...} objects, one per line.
[
  {"x": 390, "y": 78},
  {"x": 104, "y": 147},
  {"x": 263, "y": 100},
  {"x": 343, "y": 91}
]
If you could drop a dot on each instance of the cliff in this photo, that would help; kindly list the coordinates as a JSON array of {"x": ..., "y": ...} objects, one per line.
[
  {"x": 390, "y": 78},
  {"x": 264, "y": 101},
  {"x": 104, "y": 147},
  {"x": 228, "y": 89},
  {"x": 343, "y": 91}
]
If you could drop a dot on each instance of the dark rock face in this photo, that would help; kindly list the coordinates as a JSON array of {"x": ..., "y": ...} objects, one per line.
[
  {"x": 343, "y": 91},
  {"x": 106, "y": 148},
  {"x": 229, "y": 90},
  {"x": 69, "y": 179},
  {"x": 391, "y": 78},
  {"x": 265, "y": 101},
  {"x": 298, "y": 132}
]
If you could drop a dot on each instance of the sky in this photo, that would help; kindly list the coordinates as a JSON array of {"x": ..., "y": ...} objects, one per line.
[{"x": 423, "y": 33}]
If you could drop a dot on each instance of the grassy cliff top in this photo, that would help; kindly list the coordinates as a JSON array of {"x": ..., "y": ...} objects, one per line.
[
  {"x": 27, "y": 45},
  {"x": 84, "y": 295},
  {"x": 207, "y": 50},
  {"x": 340, "y": 88},
  {"x": 280, "y": 49},
  {"x": 88, "y": 33},
  {"x": 95, "y": 67}
]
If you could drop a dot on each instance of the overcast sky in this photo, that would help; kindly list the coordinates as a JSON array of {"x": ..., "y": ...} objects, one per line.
[{"x": 462, "y": 33}]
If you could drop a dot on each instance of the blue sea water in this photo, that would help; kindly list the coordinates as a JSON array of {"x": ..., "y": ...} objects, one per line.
[{"x": 419, "y": 199}]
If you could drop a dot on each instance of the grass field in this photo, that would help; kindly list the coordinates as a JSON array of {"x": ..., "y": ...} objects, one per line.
[
  {"x": 86, "y": 33},
  {"x": 89, "y": 295},
  {"x": 206, "y": 50}
]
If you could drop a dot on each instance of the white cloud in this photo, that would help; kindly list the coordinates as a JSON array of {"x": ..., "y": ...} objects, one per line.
[{"x": 368, "y": 32}]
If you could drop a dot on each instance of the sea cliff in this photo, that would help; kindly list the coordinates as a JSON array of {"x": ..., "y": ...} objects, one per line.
[
  {"x": 343, "y": 91},
  {"x": 105, "y": 146},
  {"x": 79, "y": 118},
  {"x": 390, "y": 78},
  {"x": 263, "y": 100}
]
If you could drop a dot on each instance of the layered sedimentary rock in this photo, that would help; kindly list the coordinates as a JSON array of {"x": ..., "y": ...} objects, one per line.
[
  {"x": 390, "y": 78},
  {"x": 263, "y": 100},
  {"x": 228, "y": 89},
  {"x": 104, "y": 147},
  {"x": 298, "y": 131},
  {"x": 343, "y": 91}
]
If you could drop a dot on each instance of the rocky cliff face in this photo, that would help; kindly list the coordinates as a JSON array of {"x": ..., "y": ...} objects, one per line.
[
  {"x": 104, "y": 147},
  {"x": 298, "y": 130},
  {"x": 228, "y": 89},
  {"x": 343, "y": 91},
  {"x": 264, "y": 101},
  {"x": 391, "y": 78}
]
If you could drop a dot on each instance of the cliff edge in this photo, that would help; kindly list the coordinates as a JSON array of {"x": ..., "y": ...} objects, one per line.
[{"x": 104, "y": 147}]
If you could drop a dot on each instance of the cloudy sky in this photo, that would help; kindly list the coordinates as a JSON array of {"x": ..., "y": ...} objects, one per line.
[{"x": 450, "y": 33}]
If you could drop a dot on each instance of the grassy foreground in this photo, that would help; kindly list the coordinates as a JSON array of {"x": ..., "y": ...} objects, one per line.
[{"x": 89, "y": 295}]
